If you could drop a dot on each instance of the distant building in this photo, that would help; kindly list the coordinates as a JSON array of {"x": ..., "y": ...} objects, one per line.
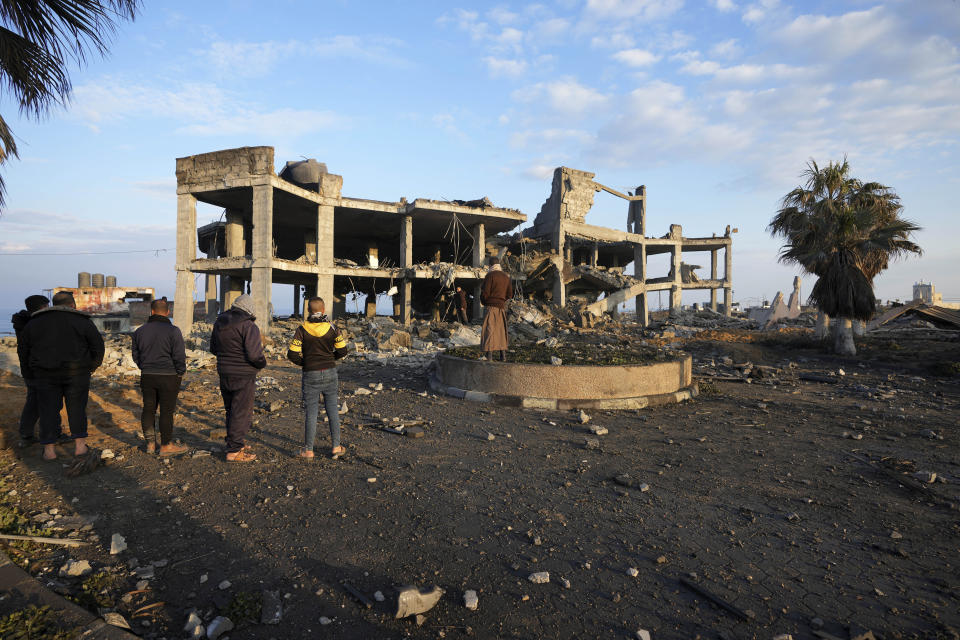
[{"x": 927, "y": 293}]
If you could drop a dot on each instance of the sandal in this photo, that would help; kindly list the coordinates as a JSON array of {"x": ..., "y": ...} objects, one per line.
[
  {"x": 173, "y": 449},
  {"x": 337, "y": 452},
  {"x": 305, "y": 454},
  {"x": 241, "y": 456}
]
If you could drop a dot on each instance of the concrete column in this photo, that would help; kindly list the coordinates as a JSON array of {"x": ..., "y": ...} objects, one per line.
[
  {"x": 559, "y": 241},
  {"x": 642, "y": 205},
  {"x": 310, "y": 246},
  {"x": 479, "y": 244},
  {"x": 325, "y": 255},
  {"x": 728, "y": 279},
  {"x": 713, "y": 276},
  {"x": 261, "y": 278},
  {"x": 186, "y": 253},
  {"x": 675, "y": 291},
  {"x": 235, "y": 246},
  {"x": 406, "y": 261},
  {"x": 210, "y": 286},
  {"x": 296, "y": 301},
  {"x": 594, "y": 254},
  {"x": 640, "y": 273}
]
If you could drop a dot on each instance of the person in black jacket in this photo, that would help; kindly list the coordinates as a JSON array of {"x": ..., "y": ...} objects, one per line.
[
  {"x": 316, "y": 346},
  {"x": 237, "y": 344},
  {"x": 31, "y": 408},
  {"x": 158, "y": 351},
  {"x": 62, "y": 348}
]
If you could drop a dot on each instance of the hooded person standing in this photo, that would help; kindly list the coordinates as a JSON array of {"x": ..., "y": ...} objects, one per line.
[
  {"x": 496, "y": 290},
  {"x": 238, "y": 346},
  {"x": 159, "y": 352},
  {"x": 63, "y": 348},
  {"x": 31, "y": 408},
  {"x": 316, "y": 346}
]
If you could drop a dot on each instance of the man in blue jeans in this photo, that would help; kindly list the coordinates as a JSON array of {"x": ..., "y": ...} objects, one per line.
[{"x": 316, "y": 346}]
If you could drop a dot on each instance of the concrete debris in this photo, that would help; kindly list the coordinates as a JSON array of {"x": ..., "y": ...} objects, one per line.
[
  {"x": 597, "y": 430},
  {"x": 193, "y": 621},
  {"x": 115, "y": 619},
  {"x": 633, "y": 572},
  {"x": 642, "y": 634},
  {"x": 591, "y": 443},
  {"x": 584, "y": 417},
  {"x": 75, "y": 569},
  {"x": 226, "y": 584},
  {"x": 378, "y": 596},
  {"x": 218, "y": 627},
  {"x": 412, "y": 601},
  {"x": 925, "y": 476},
  {"x": 540, "y": 577},
  {"x": 117, "y": 544},
  {"x": 470, "y": 600}
]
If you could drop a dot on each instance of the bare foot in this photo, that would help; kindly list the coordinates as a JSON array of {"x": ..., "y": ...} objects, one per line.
[
  {"x": 151, "y": 447},
  {"x": 336, "y": 452},
  {"x": 173, "y": 449},
  {"x": 305, "y": 453},
  {"x": 49, "y": 452},
  {"x": 80, "y": 447}
]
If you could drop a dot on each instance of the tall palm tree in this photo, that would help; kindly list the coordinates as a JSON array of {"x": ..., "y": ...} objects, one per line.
[
  {"x": 38, "y": 41},
  {"x": 845, "y": 232}
]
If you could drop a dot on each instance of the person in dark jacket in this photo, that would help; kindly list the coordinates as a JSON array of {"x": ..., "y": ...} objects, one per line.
[
  {"x": 63, "y": 348},
  {"x": 158, "y": 351},
  {"x": 31, "y": 408},
  {"x": 316, "y": 346},
  {"x": 237, "y": 344},
  {"x": 461, "y": 301},
  {"x": 497, "y": 289}
]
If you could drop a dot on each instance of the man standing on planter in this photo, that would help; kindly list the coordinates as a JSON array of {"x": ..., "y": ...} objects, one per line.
[
  {"x": 239, "y": 349},
  {"x": 497, "y": 289}
]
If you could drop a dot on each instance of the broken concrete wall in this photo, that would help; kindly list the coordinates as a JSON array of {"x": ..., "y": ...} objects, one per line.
[
  {"x": 571, "y": 198},
  {"x": 221, "y": 165}
]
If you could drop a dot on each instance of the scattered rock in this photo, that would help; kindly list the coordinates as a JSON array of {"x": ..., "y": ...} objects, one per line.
[
  {"x": 540, "y": 577},
  {"x": 193, "y": 621},
  {"x": 114, "y": 619},
  {"x": 271, "y": 607},
  {"x": 378, "y": 596},
  {"x": 565, "y": 583},
  {"x": 117, "y": 544},
  {"x": 412, "y": 601},
  {"x": 361, "y": 391},
  {"x": 490, "y": 436},
  {"x": 591, "y": 443},
  {"x": 633, "y": 572},
  {"x": 783, "y": 636},
  {"x": 324, "y": 620},
  {"x": 662, "y": 560},
  {"x": 470, "y": 600},
  {"x": 642, "y": 634},
  {"x": 226, "y": 584},
  {"x": 925, "y": 476},
  {"x": 218, "y": 627},
  {"x": 584, "y": 417},
  {"x": 107, "y": 454},
  {"x": 555, "y": 361},
  {"x": 597, "y": 430},
  {"x": 896, "y": 535},
  {"x": 75, "y": 568}
]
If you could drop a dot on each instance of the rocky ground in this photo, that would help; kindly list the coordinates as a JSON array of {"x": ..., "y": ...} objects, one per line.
[{"x": 796, "y": 488}]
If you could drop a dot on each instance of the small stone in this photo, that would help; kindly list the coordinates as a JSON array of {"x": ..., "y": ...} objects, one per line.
[
  {"x": 107, "y": 454},
  {"x": 925, "y": 476},
  {"x": 142, "y": 585},
  {"x": 378, "y": 596},
  {"x": 896, "y": 535},
  {"x": 644, "y": 487},
  {"x": 662, "y": 560},
  {"x": 817, "y": 623},
  {"x": 633, "y": 572},
  {"x": 784, "y": 636},
  {"x": 117, "y": 544},
  {"x": 490, "y": 436},
  {"x": 324, "y": 620},
  {"x": 193, "y": 621},
  {"x": 412, "y": 601},
  {"x": 584, "y": 417},
  {"x": 591, "y": 443},
  {"x": 470, "y": 600},
  {"x": 75, "y": 568},
  {"x": 597, "y": 430},
  {"x": 203, "y": 578},
  {"x": 565, "y": 583},
  {"x": 218, "y": 627},
  {"x": 793, "y": 517},
  {"x": 555, "y": 361},
  {"x": 362, "y": 392},
  {"x": 371, "y": 480},
  {"x": 421, "y": 619},
  {"x": 289, "y": 487},
  {"x": 642, "y": 634},
  {"x": 540, "y": 577},
  {"x": 226, "y": 584},
  {"x": 114, "y": 619}
]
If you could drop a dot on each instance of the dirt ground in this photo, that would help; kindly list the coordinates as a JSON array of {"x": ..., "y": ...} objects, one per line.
[{"x": 790, "y": 499}]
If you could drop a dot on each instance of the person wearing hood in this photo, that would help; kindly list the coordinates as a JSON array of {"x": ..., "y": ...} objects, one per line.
[
  {"x": 316, "y": 346},
  {"x": 497, "y": 289},
  {"x": 31, "y": 408},
  {"x": 159, "y": 352},
  {"x": 238, "y": 346},
  {"x": 62, "y": 348}
]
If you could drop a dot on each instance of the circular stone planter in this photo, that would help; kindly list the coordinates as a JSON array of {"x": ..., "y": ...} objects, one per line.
[{"x": 545, "y": 386}]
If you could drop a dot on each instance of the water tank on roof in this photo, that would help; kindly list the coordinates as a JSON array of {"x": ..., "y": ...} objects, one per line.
[
  {"x": 97, "y": 280},
  {"x": 304, "y": 173},
  {"x": 83, "y": 279},
  {"x": 111, "y": 281}
]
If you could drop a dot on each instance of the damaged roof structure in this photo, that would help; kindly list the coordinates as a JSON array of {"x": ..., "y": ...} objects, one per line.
[{"x": 297, "y": 228}]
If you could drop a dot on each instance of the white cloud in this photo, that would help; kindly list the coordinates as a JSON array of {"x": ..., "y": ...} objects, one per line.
[
  {"x": 505, "y": 67},
  {"x": 565, "y": 96},
  {"x": 643, "y": 9},
  {"x": 539, "y": 171},
  {"x": 502, "y": 15},
  {"x": 726, "y": 49},
  {"x": 550, "y": 137},
  {"x": 636, "y": 57},
  {"x": 616, "y": 40},
  {"x": 759, "y": 11},
  {"x": 723, "y": 5},
  {"x": 841, "y": 35}
]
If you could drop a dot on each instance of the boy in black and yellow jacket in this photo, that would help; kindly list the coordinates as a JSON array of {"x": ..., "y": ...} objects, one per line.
[{"x": 316, "y": 346}]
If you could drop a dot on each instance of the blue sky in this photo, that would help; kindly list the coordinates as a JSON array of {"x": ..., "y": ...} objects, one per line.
[{"x": 716, "y": 106}]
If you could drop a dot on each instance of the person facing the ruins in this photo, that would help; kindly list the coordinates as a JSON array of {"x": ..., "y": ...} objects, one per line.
[
  {"x": 497, "y": 289},
  {"x": 159, "y": 352},
  {"x": 63, "y": 348},
  {"x": 239, "y": 349},
  {"x": 31, "y": 408},
  {"x": 316, "y": 346},
  {"x": 461, "y": 301}
]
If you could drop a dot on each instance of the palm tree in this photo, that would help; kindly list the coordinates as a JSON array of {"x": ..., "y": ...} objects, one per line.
[
  {"x": 38, "y": 40},
  {"x": 845, "y": 232}
]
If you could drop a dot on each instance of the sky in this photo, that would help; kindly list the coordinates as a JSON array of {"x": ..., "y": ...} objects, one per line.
[{"x": 716, "y": 106}]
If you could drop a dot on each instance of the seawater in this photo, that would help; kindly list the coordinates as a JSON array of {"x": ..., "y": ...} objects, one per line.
[{"x": 6, "y": 327}]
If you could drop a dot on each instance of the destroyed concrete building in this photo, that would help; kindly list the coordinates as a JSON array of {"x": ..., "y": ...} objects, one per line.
[{"x": 297, "y": 228}]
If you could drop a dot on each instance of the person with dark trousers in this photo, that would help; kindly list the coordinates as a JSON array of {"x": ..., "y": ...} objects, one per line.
[
  {"x": 158, "y": 351},
  {"x": 461, "y": 301},
  {"x": 316, "y": 346},
  {"x": 63, "y": 348},
  {"x": 31, "y": 408},
  {"x": 239, "y": 349}
]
